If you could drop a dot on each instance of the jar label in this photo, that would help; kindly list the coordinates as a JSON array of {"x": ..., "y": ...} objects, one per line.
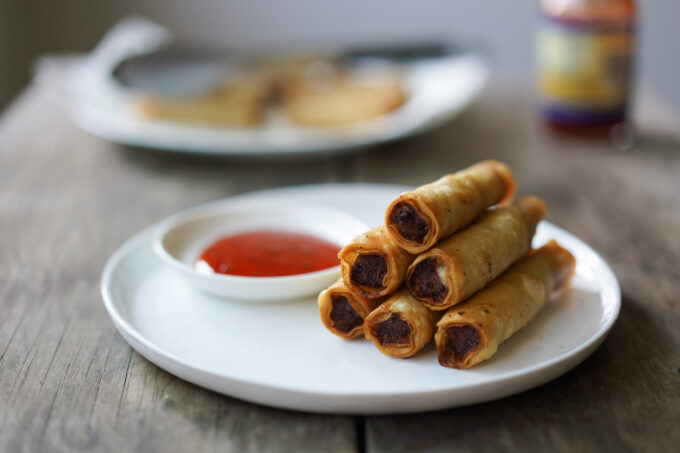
[{"x": 583, "y": 68}]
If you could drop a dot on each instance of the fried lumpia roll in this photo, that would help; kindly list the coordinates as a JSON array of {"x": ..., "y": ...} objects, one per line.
[
  {"x": 400, "y": 326},
  {"x": 373, "y": 265},
  {"x": 417, "y": 220},
  {"x": 465, "y": 262},
  {"x": 343, "y": 312},
  {"x": 471, "y": 332}
]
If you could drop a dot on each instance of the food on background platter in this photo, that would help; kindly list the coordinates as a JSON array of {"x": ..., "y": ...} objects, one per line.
[
  {"x": 238, "y": 102},
  {"x": 401, "y": 326},
  {"x": 307, "y": 91},
  {"x": 268, "y": 254},
  {"x": 373, "y": 264},
  {"x": 346, "y": 98},
  {"x": 481, "y": 246},
  {"x": 343, "y": 312},
  {"x": 287, "y": 71},
  {"x": 471, "y": 332},
  {"x": 469, "y": 259},
  {"x": 418, "y": 219}
]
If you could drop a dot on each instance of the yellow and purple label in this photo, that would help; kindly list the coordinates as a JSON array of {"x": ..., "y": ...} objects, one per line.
[{"x": 583, "y": 71}]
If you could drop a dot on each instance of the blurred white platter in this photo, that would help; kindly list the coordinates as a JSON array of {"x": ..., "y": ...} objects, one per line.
[
  {"x": 438, "y": 89},
  {"x": 281, "y": 355}
]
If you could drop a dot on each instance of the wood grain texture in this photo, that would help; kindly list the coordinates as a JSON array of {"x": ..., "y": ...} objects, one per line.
[
  {"x": 626, "y": 396},
  {"x": 69, "y": 382}
]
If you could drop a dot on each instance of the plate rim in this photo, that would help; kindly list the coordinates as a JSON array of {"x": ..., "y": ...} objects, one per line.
[{"x": 183, "y": 369}]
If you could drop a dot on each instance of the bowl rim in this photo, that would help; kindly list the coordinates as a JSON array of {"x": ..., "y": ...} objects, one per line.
[{"x": 212, "y": 209}]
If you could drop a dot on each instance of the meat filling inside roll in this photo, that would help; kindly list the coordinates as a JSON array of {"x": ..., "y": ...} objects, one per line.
[
  {"x": 407, "y": 221},
  {"x": 369, "y": 270},
  {"x": 401, "y": 326},
  {"x": 458, "y": 342},
  {"x": 425, "y": 282},
  {"x": 393, "y": 331},
  {"x": 343, "y": 312},
  {"x": 468, "y": 260},
  {"x": 344, "y": 317},
  {"x": 472, "y": 332},
  {"x": 420, "y": 218},
  {"x": 373, "y": 265}
]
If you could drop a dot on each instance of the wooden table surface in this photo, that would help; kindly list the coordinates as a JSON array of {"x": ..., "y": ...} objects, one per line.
[{"x": 69, "y": 382}]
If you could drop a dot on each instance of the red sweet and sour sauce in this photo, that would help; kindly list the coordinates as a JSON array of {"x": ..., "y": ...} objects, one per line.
[{"x": 270, "y": 254}]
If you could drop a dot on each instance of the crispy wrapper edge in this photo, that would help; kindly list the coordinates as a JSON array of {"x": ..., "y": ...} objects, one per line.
[
  {"x": 508, "y": 304},
  {"x": 375, "y": 242},
  {"x": 426, "y": 203},
  {"x": 421, "y": 321},
  {"x": 362, "y": 305},
  {"x": 460, "y": 280}
]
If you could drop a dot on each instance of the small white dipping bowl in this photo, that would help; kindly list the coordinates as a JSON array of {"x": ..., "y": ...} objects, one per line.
[{"x": 181, "y": 239}]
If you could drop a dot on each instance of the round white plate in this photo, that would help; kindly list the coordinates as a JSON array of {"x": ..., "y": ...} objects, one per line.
[
  {"x": 438, "y": 89},
  {"x": 281, "y": 355}
]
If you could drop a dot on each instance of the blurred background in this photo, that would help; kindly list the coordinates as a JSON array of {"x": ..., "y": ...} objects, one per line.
[{"x": 502, "y": 29}]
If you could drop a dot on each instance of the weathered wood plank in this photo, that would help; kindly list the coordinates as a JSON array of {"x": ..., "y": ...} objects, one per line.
[
  {"x": 626, "y": 396},
  {"x": 68, "y": 381}
]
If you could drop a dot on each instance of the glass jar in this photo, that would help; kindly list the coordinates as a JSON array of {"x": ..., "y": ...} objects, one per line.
[{"x": 584, "y": 54}]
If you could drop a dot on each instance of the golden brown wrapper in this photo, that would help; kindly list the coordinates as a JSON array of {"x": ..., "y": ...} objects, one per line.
[
  {"x": 378, "y": 244},
  {"x": 400, "y": 326},
  {"x": 346, "y": 322},
  {"x": 436, "y": 210},
  {"x": 344, "y": 97},
  {"x": 472, "y": 331},
  {"x": 465, "y": 262},
  {"x": 238, "y": 102}
]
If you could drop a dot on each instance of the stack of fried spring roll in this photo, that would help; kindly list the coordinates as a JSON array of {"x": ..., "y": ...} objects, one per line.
[{"x": 440, "y": 245}]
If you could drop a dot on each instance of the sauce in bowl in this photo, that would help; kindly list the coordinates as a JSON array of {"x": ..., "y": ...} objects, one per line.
[{"x": 268, "y": 254}]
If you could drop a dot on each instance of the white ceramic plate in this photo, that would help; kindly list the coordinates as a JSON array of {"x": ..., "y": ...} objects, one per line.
[
  {"x": 439, "y": 89},
  {"x": 281, "y": 355}
]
